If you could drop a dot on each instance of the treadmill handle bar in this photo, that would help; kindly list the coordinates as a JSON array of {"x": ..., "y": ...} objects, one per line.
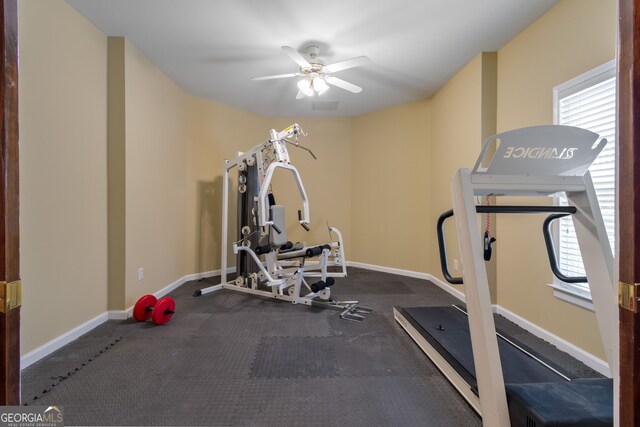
[
  {"x": 442, "y": 246},
  {"x": 546, "y": 231},
  {"x": 551, "y": 251}
]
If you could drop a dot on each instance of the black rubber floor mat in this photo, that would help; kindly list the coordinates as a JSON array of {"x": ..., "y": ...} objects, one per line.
[
  {"x": 229, "y": 359},
  {"x": 295, "y": 357}
]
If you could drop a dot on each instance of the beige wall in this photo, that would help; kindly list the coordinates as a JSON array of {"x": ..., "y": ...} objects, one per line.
[
  {"x": 464, "y": 116},
  {"x": 403, "y": 162},
  {"x": 156, "y": 172},
  {"x": 391, "y": 187},
  {"x": 63, "y": 194},
  {"x": 572, "y": 38},
  {"x": 215, "y": 132},
  {"x": 456, "y": 135},
  {"x": 116, "y": 173}
]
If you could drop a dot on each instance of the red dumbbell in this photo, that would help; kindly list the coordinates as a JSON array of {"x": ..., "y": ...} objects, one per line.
[{"x": 150, "y": 307}]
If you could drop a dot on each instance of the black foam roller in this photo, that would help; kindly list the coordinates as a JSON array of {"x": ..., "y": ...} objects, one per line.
[
  {"x": 330, "y": 281},
  {"x": 313, "y": 251},
  {"x": 317, "y": 250},
  {"x": 318, "y": 286}
]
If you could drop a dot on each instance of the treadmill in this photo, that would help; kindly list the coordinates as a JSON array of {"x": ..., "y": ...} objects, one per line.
[{"x": 505, "y": 381}]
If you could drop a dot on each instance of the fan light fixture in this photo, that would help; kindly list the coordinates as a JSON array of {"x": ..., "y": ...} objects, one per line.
[
  {"x": 316, "y": 76},
  {"x": 319, "y": 85},
  {"x": 306, "y": 86},
  {"x": 312, "y": 85}
]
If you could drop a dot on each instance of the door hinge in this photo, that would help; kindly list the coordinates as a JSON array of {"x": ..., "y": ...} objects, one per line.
[
  {"x": 10, "y": 295},
  {"x": 628, "y": 296}
]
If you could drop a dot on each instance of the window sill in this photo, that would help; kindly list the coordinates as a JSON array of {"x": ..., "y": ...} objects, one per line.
[{"x": 575, "y": 297}]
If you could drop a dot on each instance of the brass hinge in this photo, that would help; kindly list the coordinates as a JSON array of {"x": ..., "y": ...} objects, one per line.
[
  {"x": 628, "y": 296},
  {"x": 10, "y": 295}
]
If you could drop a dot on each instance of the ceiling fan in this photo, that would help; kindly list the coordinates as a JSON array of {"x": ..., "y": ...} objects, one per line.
[{"x": 315, "y": 74}]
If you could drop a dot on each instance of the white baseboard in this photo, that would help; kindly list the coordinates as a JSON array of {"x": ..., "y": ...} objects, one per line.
[
  {"x": 125, "y": 314},
  {"x": 416, "y": 274},
  {"x": 44, "y": 350},
  {"x": 587, "y": 358},
  {"x": 64, "y": 339},
  {"x": 574, "y": 351},
  {"x": 453, "y": 291}
]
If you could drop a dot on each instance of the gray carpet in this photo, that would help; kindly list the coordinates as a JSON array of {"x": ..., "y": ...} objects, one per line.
[{"x": 233, "y": 359}]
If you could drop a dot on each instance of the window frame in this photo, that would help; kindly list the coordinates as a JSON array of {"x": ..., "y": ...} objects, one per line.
[{"x": 568, "y": 292}]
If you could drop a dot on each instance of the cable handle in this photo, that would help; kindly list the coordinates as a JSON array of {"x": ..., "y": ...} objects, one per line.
[
  {"x": 488, "y": 239},
  {"x": 304, "y": 225}
]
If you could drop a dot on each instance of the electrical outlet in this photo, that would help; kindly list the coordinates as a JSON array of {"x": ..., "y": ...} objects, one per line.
[
  {"x": 455, "y": 265},
  {"x": 140, "y": 274}
]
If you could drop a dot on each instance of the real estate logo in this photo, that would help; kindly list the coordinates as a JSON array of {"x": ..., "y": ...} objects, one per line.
[{"x": 31, "y": 416}]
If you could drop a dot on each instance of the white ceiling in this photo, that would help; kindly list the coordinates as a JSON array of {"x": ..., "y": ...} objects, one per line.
[{"x": 212, "y": 48}]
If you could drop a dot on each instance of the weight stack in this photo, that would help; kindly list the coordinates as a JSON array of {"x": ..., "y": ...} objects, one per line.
[{"x": 244, "y": 263}]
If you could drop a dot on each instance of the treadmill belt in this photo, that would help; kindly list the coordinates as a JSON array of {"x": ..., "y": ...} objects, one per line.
[
  {"x": 583, "y": 403},
  {"x": 449, "y": 328},
  {"x": 537, "y": 396}
]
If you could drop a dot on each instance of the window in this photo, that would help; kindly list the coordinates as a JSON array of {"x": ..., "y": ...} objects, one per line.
[{"x": 587, "y": 101}]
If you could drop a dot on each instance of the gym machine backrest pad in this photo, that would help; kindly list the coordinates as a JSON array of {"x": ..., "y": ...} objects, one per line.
[{"x": 277, "y": 234}]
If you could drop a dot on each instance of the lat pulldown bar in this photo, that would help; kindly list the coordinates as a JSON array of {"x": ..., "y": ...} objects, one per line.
[{"x": 557, "y": 211}]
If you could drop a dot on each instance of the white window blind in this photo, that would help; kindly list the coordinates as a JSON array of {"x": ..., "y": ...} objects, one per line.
[{"x": 589, "y": 102}]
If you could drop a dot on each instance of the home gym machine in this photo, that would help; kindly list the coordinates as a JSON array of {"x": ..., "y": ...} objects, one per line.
[
  {"x": 287, "y": 268},
  {"x": 505, "y": 381}
]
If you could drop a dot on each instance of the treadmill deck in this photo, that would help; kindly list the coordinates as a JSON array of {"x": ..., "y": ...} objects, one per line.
[{"x": 539, "y": 392}]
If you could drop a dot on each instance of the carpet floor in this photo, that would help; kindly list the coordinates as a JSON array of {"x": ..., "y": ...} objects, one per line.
[{"x": 231, "y": 359}]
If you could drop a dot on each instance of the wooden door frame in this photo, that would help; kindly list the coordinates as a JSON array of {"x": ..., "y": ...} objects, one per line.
[
  {"x": 628, "y": 139},
  {"x": 10, "y": 298}
]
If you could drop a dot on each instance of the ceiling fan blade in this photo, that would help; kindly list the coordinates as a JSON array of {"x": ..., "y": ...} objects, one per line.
[
  {"x": 343, "y": 84},
  {"x": 295, "y": 55},
  {"x": 344, "y": 65},
  {"x": 300, "y": 95},
  {"x": 277, "y": 76}
]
